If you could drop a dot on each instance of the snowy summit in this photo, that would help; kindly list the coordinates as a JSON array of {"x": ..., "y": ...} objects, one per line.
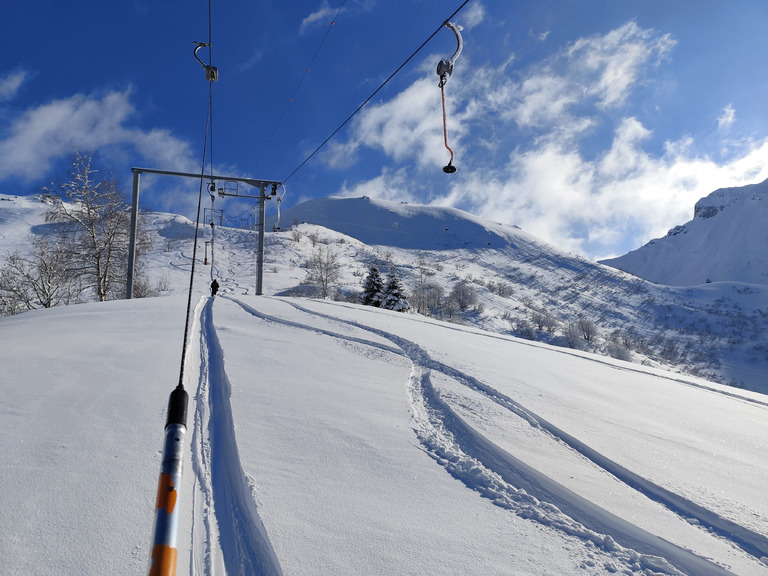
[
  {"x": 725, "y": 241},
  {"x": 328, "y": 437}
]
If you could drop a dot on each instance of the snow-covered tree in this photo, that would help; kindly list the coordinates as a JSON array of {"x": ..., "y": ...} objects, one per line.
[
  {"x": 40, "y": 280},
  {"x": 588, "y": 328},
  {"x": 324, "y": 269},
  {"x": 428, "y": 299},
  {"x": 463, "y": 295},
  {"x": 394, "y": 293},
  {"x": 94, "y": 226},
  {"x": 373, "y": 288}
]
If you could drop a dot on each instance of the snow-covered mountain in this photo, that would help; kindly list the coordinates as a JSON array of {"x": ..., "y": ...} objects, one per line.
[
  {"x": 727, "y": 241},
  {"x": 522, "y": 285},
  {"x": 325, "y": 437},
  {"x": 414, "y": 227},
  {"x": 533, "y": 289}
]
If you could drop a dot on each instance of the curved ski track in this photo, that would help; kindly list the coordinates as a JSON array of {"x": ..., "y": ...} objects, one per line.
[
  {"x": 467, "y": 455},
  {"x": 511, "y": 483}
]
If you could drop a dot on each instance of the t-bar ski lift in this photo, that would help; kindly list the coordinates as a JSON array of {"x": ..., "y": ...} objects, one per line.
[
  {"x": 444, "y": 70},
  {"x": 262, "y": 185}
]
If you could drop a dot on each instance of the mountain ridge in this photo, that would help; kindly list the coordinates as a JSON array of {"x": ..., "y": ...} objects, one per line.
[
  {"x": 518, "y": 284},
  {"x": 725, "y": 241}
]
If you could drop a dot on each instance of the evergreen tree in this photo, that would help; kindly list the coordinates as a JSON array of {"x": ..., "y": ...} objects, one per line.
[
  {"x": 394, "y": 293},
  {"x": 373, "y": 288}
]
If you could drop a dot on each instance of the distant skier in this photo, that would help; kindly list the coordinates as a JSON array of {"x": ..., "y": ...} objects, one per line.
[{"x": 214, "y": 287}]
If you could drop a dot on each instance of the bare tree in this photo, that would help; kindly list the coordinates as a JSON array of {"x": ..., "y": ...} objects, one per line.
[
  {"x": 463, "y": 295},
  {"x": 324, "y": 268},
  {"x": 588, "y": 328},
  {"x": 36, "y": 281},
  {"x": 421, "y": 293},
  {"x": 544, "y": 320},
  {"x": 94, "y": 225},
  {"x": 428, "y": 299},
  {"x": 572, "y": 337}
]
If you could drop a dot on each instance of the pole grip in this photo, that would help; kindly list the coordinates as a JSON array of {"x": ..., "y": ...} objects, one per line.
[
  {"x": 177, "y": 407},
  {"x": 164, "y": 554}
]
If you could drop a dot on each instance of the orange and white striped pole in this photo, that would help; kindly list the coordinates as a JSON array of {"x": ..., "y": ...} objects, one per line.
[{"x": 164, "y": 547}]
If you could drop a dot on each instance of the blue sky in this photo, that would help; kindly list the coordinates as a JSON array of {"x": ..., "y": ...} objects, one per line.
[{"x": 593, "y": 124}]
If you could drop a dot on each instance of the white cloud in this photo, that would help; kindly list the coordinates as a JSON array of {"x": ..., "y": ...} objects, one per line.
[
  {"x": 612, "y": 64},
  {"x": 520, "y": 140},
  {"x": 323, "y": 14},
  {"x": 10, "y": 85},
  {"x": 543, "y": 99},
  {"x": 541, "y": 36},
  {"x": 727, "y": 117},
  {"x": 599, "y": 71},
  {"x": 614, "y": 203},
  {"x": 404, "y": 128},
  {"x": 472, "y": 16},
  {"x": 390, "y": 185},
  {"x": 46, "y": 133}
]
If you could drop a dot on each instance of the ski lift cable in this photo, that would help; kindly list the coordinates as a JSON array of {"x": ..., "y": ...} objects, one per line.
[
  {"x": 211, "y": 76},
  {"x": 298, "y": 86},
  {"x": 324, "y": 142},
  {"x": 164, "y": 551}
]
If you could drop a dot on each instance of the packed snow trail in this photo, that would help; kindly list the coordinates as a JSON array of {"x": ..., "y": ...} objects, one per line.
[
  {"x": 486, "y": 460},
  {"x": 748, "y": 540},
  {"x": 245, "y": 546}
]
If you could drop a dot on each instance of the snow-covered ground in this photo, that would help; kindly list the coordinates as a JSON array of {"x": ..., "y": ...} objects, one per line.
[
  {"x": 330, "y": 438},
  {"x": 523, "y": 286},
  {"x": 352, "y": 440}
]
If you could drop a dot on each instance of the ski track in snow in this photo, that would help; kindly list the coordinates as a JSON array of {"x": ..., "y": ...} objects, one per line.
[
  {"x": 245, "y": 546},
  {"x": 514, "y": 485}
]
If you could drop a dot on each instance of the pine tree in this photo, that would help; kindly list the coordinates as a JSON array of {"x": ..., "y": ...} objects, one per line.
[
  {"x": 373, "y": 288},
  {"x": 394, "y": 293}
]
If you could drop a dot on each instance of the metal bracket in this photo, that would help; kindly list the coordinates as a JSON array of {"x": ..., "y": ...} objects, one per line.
[
  {"x": 211, "y": 72},
  {"x": 445, "y": 66}
]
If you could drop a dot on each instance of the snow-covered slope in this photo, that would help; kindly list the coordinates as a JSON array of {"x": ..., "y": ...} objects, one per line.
[
  {"x": 725, "y": 241},
  {"x": 523, "y": 286},
  {"x": 351, "y": 440},
  {"x": 400, "y": 225},
  {"x": 20, "y": 216}
]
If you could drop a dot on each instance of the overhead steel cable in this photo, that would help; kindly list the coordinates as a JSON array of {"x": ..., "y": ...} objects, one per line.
[
  {"x": 298, "y": 86},
  {"x": 164, "y": 552},
  {"x": 324, "y": 142}
]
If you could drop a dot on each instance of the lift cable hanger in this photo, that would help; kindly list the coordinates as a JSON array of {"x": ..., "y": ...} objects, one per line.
[
  {"x": 444, "y": 70},
  {"x": 381, "y": 86},
  {"x": 211, "y": 72}
]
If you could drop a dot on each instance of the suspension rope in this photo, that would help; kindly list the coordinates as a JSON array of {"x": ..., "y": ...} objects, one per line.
[
  {"x": 208, "y": 137},
  {"x": 324, "y": 142},
  {"x": 164, "y": 555},
  {"x": 298, "y": 86}
]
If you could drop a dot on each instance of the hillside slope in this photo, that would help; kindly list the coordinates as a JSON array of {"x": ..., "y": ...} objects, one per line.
[
  {"x": 724, "y": 242},
  {"x": 401, "y": 225},
  {"x": 518, "y": 284},
  {"x": 350, "y": 440}
]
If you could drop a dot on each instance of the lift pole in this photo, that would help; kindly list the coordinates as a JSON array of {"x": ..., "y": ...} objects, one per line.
[
  {"x": 262, "y": 185},
  {"x": 261, "y": 200}
]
